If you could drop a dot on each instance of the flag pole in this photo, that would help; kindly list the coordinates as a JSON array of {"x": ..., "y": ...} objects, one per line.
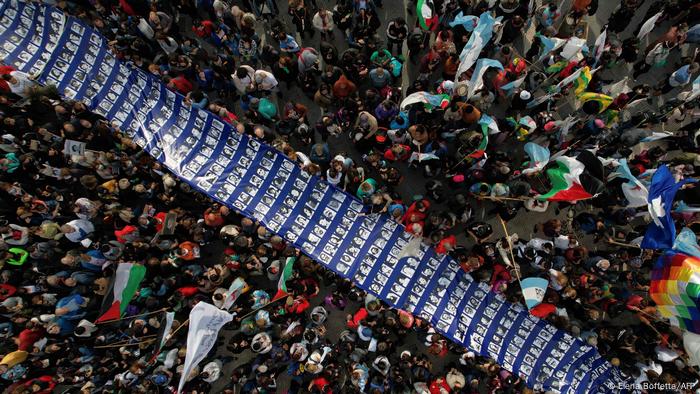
[
  {"x": 186, "y": 322},
  {"x": 133, "y": 316},
  {"x": 125, "y": 344},
  {"x": 510, "y": 249},
  {"x": 498, "y": 199},
  {"x": 262, "y": 307},
  {"x": 611, "y": 242}
]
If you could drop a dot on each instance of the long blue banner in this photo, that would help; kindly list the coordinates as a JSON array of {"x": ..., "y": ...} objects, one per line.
[{"x": 324, "y": 222}]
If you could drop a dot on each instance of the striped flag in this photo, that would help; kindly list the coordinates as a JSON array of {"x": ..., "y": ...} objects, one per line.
[
  {"x": 477, "y": 41},
  {"x": 481, "y": 150},
  {"x": 534, "y": 290},
  {"x": 490, "y": 123},
  {"x": 539, "y": 157},
  {"x": 427, "y": 17},
  {"x": 634, "y": 190},
  {"x": 687, "y": 243},
  {"x": 566, "y": 185},
  {"x": 284, "y": 277},
  {"x": 556, "y": 67},
  {"x": 123, "y": 287},
  {"x": 510, "y": 87},
  {"x": 469, "y": 22},
  {"x": 602, "y": 100}
]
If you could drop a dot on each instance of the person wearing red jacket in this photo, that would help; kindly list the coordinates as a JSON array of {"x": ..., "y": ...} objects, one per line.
[
  {"x": 543, "y": 310},
  {"x": 296, "y": 305},
  {"x": 41, "y": 385},
  {"x": 187, "y": 291},
  {"x": 127, "y": 234},
  {"x": 6, "y": 291},
  {"x": 28, "y": 336},
  {"x": 204, "y": 28},
  {"x": 439, "y": 386},
  {"x": 398, "y": 152},
  {"x": 446, "y": 245},
  {"x": 500, "y": 273},
  {"x": 353, "y": 321},
  {"x": 4, "y": 86},
  {"x": 417, "y": 212},
  {"x": 180, "y": 84}
]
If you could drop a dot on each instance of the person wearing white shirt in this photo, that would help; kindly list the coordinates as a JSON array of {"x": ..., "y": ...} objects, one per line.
[
  {"x": 243, "y": 79},
  {"x": 265, "y": 81},
  {"x": 77, "y": 230},
  {"x": 20, "y": 83},
  {"x": 212, "y": 371},
  {"x": 323, "y": 22},
  {"x": 15, "y": 235}
]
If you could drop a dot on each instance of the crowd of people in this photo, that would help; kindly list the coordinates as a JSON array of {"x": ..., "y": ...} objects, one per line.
[{"x": 68, "y": 220}]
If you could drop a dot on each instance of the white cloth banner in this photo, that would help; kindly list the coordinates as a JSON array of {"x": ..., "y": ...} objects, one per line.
[
  {"x": 648, "y": 26},
  {"x": 205, "y": 322},
  {"x": 617, "y": 88},
  {"x": 600, "y": 45}
]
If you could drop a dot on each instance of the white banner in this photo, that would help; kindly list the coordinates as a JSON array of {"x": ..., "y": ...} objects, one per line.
[
  {"x": 205, "y": 322},
  {"x": 648, "y": 26}
]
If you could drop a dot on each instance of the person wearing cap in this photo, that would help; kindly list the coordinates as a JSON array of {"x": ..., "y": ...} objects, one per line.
[{"x": 520, "y": 101}]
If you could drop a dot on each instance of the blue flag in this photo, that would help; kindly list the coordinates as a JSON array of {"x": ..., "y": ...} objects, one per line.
[
  {"x": 481, "y": 66},
  {"x": 539, "y": 157},
  {"x": 687, "y": 243},
  {"x": 477, "y": 41},
  {"x": 534, "y": 290},
  {"x": 549, "y": 45},
  {"x": 634, "y": 190},
  {"x": 661, "y": 232},
  {"x": 489, "y": 122},
  {"x": 468, "y": 21}
]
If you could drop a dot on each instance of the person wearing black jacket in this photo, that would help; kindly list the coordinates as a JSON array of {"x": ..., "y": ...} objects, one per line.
[{"x": 396, "y": 33}]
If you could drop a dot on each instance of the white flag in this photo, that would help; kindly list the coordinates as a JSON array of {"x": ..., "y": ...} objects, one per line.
[
  {"x": 691, "y": 343},
  {"x": 617, "y": 88},
  {"x": 600, "y": 45},
  {"x": 648, "y": 26},
  {"x": 205, "y": 322},
  {"x": 572, "y": 47}
]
